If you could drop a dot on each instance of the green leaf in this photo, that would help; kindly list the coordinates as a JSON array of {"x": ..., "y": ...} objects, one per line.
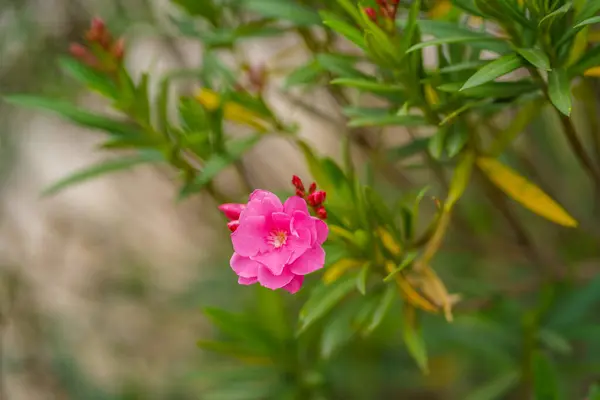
[
  {"x": 361, "y": 279},
  {"x": 410, "y": 149},
  {"x": 234, "y": 150},
  {"x": 464, "y": 66},
  {"x": 496, "y": 388},
  {"x": 339, "y": 329},
  {"x": 285, "y": 10},
  {"x": 460, "y": 179},
  {"x": 555, "y": 342},
  {"x": 385, "y": 303},
  {"x": 518, "y": 124},
  {"x": 495, "y": 69},
  {"x": 305, "y": 74},
  {"x": 594, "y": 392},
  {"x": 545, "y": 380},
  {"x": 559, "y": 90},
  {"x": 413, "y": 339},
  {"x": 452, "y": 39},
  {"x": 436, "y": 143},
  {"x": 323, "y": 299},
  {"x": 343, "y": 28},
  {"x": 76, "y": 115},
  {"x": 339, "y": 65},
  {"x": 442, "y": 29},
  {"x": 241, "y": 328},
  {"x": 105, "y": 167},
  {"x": 94, "y": 80},
  {"x": 492, "y": 89},
  {"x": 407, "y": 261},
  {"x": 351, "y": 8},
  {"x": 458, "y": 137},
  {"x": 536, "y": 57},
  {"x": 589, "y": 21},
  {"x": 395, "y": 120},
  {"x": 206, "y": 9},
  {"x": 367, "y": 85},
  {"x": 572, "y": 309},
  {"x": 590, "y": 59},
  {"x": 549, "y": 18}
]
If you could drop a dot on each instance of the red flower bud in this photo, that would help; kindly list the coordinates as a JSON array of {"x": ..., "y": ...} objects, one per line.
[
  {"x": 233, "y": 225},
  {"x": 232, "y": 211},
  {"x": 97, "y": 25},
  {"x": 297, "y": 182},
  {"x": 312, "y": 188},
  {"x": 118, "y": 49},
  {"x": 322, "y": 213},
  {"x": 77, "y": 50},
  {"x": 371, "y": 13},
  {"x": 300, "y": 193},
  {"x": 317, "y": 198}
]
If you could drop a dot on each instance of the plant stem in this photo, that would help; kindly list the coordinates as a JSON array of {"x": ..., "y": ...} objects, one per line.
[{"x": 579, "y": 151}]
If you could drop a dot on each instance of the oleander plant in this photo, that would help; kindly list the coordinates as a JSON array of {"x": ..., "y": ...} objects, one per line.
[{"x": 449, "y": 248}]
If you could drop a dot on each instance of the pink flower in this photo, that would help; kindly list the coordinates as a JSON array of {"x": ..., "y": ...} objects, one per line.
[{"x": 277, "y": 244}]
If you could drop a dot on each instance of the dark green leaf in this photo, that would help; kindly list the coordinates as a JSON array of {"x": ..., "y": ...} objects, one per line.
[
  {"x": 545, "y": 378},
  {"x": 590, "y": 58},
  {"x": 495, "y": 69},
  {"x": 105, "y": 167},
  {"x": 535, "y": 57},
  {"x": 549, "y": 18},
  {"x": 286, "y": 10},
  {"x": 323, "y": 299},
  {"x": 436, "y": 143},
  {"x": 76, "y": 115},
  {"x": 306, "y": 74},
  {"x": 496, "y": 388},
  {"x": 241, "y": 328},
  {"x": 340, "y": 65},
  {"x": 218, "y": 162},
  {"x": 559, "y": 90},
  {"x": 411, "y": 148},
  {"x": 385, "y": 303},
  {"x": 492, "y": 89},
  {"x": 339, "y": 329},
  {"x": 413, "y": 339},
  {"x": 589, "y": 21},
  {"x": 574, "y": 307},
  {"x": 458, "y": 137}
]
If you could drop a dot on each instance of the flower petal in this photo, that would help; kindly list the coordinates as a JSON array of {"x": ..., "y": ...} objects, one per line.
[
  {"x": 301, "y": 220},
  {"x": 268, "y": 280},
  {"x": 263, "y": 203},
  {"x": 275, "y": 260},
  {"x": 322, "y": 231},
  {"x": 295, "y": 203},
  {"x": 244, "y": 266},
  {"x": 247, "y": 281},
  {"x": 232, "y": 211},
  {"x": 299, "y": 243},
  {"x": 312, "y": 260},
  {"x": 280, "y": 222},
  {"x": 249, "y": 238},
  {"x": 295, "y": 284}
]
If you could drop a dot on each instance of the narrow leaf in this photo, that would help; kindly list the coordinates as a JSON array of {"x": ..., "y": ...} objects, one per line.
[
  {"x": 452, "y": 39},
  {"x": 367, "y": 85},
  {"x": 323, "y": 299},
  {"x": 413, "y": 340},
  {"x": 536, "y": 57},
  {"x": 105, "y": 167},
  {"x": 286, "y": 10},
  {"x": 408, "y": 259},
  {"x": 495, "y": 69},
  {"x": 386, "y": 301},
  {"x": 361, "y": 279},
  {"x": 559, "y": 90},
  {"x": 545, "y": 378},
  {"x": 524, "y": 192},
  {"x": 387, "y": 120},
  {"x": 589, "y": 21}
]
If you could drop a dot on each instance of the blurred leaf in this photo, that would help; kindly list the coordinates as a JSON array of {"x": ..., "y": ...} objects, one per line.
[
  {"x": 338, "y": 269},
  {"x": 105, "y": 167},
  {"x": 241, "y": 328},
  {"x": 339, "y": 64},
  {"x": 495, "y": 69},
  {"x": 76, "y": 115},
  {"x": 271, "y": 307},
  {"x": 231, "y": 110},
  {"x": 193, "y": 116},
  {"x": 285, "y": 10},
  {"x": 343, "y": 28},
  {"x": 304, "y": 74},
  {"x": 234, "y": 150},
  {"x": 412, "y": 338},
  {"x": 367, "y": 85},
  {"x": 589, "y": 21},
  {"x": 323, "y": 299},
  {"x": 590, "y": 59},
  {"x": 491, "y": 89},
  {"x": 545, "y": 378},
  {"x": 339, "y": 328},
  {"x": 93, "y": 79},
  {"x": 555, "y": 342},
  {"x": 436, "y": 143},
  {"x": 525, "y": 192},
  {"x": 518, "y": 124},
  {"x": 536, "y": 57},
  {"x": 452, "y": 39},
  {"x": 594, "y": 392},
  {"x": 442, "y": 29},
  {"x": 572, "y": 309},
  {"x": 550, "y": 17},
  {"x": 386, "y": 299},
  {"x": 411, "y": 148},
  {"x": 406, "y": 261},
  {"x": 206, "y": 9},
  {"x": 458, "y": 136},
  {"x": 362, "y": 277},
  {"x": 388, "y": 120},
  {"x": 559, "y": 90},
  {"x": 460, "y": 180},
  {"x": 236, "y": 350},
  {"x": 497, "y": 388}
]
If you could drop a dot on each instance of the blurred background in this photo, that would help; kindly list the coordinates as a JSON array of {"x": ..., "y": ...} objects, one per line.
[{"x": 101, "y": 285}]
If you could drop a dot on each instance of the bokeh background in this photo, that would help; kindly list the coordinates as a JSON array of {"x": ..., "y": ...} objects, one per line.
[{"x": 101, "y": 285}]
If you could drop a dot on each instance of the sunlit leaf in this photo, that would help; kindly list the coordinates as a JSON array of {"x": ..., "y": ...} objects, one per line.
[{"x": 524, "y": 192}]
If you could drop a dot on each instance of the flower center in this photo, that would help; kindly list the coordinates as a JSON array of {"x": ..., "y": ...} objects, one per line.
[{"x": 277, "y": 238}]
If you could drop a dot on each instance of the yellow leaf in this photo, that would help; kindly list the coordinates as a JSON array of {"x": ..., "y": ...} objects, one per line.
[
  {"x": 231, "y": 111},
  {"x": 579, "y": 46},
  {"x": 409, "y": 293},
  {"x": 339, "y": 268},
  {"x": 440, "y": 9},
  {"x": 593, "y": 72},
  {"x": 525, "y": 192},
  {"x": 594, "y": 36},
  {"x": 389, "y": 243},
  {"x": 431, "y": 95}
]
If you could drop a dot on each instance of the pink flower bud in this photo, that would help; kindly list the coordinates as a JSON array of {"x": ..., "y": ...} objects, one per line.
[
  {"x": 232, "y": 211},
  {"x": 322, "y": 213},
  {"x": 297, "y": 182},
  {"x": 317, "y": 198},
  {"x": 312, "y": 188}
]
